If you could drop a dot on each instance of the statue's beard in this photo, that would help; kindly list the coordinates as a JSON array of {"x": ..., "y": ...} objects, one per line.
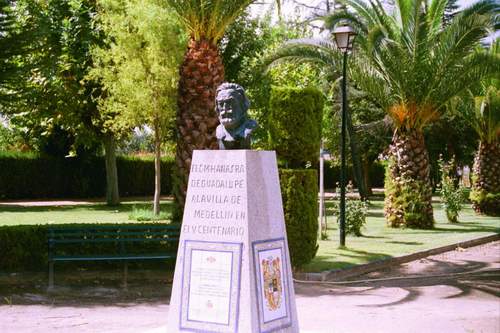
[{"x": 230, "y": 123}]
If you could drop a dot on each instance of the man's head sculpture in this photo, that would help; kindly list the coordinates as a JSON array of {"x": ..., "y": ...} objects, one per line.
[{"x": 231, "y": 105}]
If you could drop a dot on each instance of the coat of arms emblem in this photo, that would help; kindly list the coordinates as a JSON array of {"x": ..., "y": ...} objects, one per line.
[{"x": 271, "y": 272}]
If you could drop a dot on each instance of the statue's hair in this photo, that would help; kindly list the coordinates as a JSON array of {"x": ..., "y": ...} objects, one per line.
[{"x": 245, "y": 102}]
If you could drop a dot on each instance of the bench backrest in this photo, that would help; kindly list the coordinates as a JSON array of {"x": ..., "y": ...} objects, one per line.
[{"x": 120, "y": 234}]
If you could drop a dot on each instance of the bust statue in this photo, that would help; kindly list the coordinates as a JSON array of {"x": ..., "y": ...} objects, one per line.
[{"x": 231, "y": 105}]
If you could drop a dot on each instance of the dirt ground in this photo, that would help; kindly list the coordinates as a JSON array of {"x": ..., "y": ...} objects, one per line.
[{"x": 458, "y": 291}]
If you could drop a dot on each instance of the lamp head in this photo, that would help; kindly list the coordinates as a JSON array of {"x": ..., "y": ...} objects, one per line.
[{"x": 344, "y": 37}]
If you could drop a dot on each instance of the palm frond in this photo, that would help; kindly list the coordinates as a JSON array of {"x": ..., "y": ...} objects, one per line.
[{"x": 208, "y": 19}]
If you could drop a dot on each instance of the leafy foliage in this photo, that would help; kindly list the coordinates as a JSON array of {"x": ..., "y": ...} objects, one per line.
[
  {"x": 295, "y": 124},
  {"x": 410, "y": 61},
  {"x": 53, "y": 101},
  {"x": 356, "y": 212},
  {"x": 451, "y": 194},
  {"x": 138, "y": 66}
]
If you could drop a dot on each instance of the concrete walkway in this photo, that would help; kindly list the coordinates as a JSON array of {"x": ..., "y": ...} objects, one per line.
[{"x": 456, "y": 291}]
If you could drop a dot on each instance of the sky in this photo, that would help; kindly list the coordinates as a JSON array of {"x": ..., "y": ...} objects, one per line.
[{"x": 289, "y": 8}]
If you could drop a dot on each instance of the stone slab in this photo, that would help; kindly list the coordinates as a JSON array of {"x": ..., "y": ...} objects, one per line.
[{"x": 233, "y": 271}]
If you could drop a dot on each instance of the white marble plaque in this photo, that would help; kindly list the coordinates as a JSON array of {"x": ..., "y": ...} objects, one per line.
[
  {"x": 272, "y": 284},
  {"x": 210, "y": 286}
]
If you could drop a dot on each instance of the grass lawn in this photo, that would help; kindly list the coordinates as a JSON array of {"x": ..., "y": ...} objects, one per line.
[
  {"x": 379, "y": 241},
  {"x": 95, "y": 213}
]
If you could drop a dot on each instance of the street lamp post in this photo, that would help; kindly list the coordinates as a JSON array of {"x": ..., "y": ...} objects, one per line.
[{"x": 344, "y": 37}]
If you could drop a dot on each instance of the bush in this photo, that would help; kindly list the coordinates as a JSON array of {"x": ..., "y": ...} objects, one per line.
[
  {"x": 355, "y": 216},
  {"x": 488, "y": 203},
  {"x": 299, "y": 189},
  {"x": 295, "y": 124},
  {"x": 29, "y": 176},
  {"x": 24, "y": 247},
  {"x": 451, "y": 194}
]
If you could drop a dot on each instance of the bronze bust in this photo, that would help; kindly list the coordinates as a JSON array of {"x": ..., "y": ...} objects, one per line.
[{"x": 231, "y": 105}]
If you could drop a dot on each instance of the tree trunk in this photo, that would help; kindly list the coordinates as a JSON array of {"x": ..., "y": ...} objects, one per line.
[
  {"x": 112, "y": 194},
  {"x": 156, "y": 200},
  {"x": 407, "y": 187},
  {"x": 486, "y": 179},
  {"x": 201, "y": 73},
  {"x": 366, "y": 163},
  {"x": 356, "y": 161}
]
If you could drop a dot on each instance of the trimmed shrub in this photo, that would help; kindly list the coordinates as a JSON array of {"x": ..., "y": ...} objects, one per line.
[
  {"x": 28, "y": 176},
  {"x": 299, "y": 189},
  {"x": 24, "y": 247},
  {"x": 295, "y": 124}
]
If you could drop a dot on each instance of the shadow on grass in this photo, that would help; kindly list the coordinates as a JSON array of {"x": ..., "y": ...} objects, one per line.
[
  {"x": 477, "y": 228},
  {"x": 375, "y": 214},
  {"x": 405, "y": 243}
]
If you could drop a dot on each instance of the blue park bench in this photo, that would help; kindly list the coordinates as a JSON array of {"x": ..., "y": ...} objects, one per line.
[{"x": 122, "y": 243}]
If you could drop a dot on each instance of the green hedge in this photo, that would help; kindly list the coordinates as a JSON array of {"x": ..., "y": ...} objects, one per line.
[
  {"x": 27, "y": 176},
  {"x": 295, "y": 124},
  {"x": 299, "y": 189},
  {"x": 24, "y": 247}
]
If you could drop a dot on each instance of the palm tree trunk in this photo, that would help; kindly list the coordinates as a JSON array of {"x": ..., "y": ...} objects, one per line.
[
  {"x": 200, "y": 74},
  {"x": 112, "y": 194},
  {"x": 366, "y": 163},
  {"x": 408, "y": 189},
  {"x": 156, "y": 200},
  {"x": 486, "y": 179}
]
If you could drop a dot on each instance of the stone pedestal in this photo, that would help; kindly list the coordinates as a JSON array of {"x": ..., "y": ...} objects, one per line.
[{"x": 233, "y": 270}]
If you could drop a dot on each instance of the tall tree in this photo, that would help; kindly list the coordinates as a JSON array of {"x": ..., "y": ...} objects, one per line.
[
  {"x": 413, "y": 64},
  {"x": 53, "y": 98},
  {"x": 200, "y": 74},
  {"x": 139, "y": 69},
  {"x": 485, "y": 118}
]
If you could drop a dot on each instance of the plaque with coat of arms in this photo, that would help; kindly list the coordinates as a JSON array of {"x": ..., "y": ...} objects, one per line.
[{"x": 270, "y": 261}]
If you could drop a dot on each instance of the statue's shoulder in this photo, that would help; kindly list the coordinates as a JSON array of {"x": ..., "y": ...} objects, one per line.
[{"x": 250, "y": 124}]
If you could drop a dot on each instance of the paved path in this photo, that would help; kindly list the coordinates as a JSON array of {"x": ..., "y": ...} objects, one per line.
[{"x": 459, "y": 293}]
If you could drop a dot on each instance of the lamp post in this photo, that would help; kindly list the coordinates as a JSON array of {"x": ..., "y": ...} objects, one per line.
[{"x": 344, "y": 37}]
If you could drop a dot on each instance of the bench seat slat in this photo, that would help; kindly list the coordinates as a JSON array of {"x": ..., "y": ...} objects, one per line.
[
  {"x": 109, "y": 233},
  {"x": 120, "y": 227}
]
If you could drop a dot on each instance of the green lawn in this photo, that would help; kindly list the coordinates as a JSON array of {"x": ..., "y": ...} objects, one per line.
[
  {"x": 380, "y": 241},
  {"x": 96, "y": 213}
]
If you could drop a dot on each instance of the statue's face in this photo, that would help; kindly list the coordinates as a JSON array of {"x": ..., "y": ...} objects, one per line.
[{"x": 229, "y": 108}]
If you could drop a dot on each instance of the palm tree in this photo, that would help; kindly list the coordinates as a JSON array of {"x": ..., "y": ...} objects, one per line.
[
  {"x": 485, "y": 193},
  {"x": 200, "y": 74},
  {"x": 413, "y": 63}
]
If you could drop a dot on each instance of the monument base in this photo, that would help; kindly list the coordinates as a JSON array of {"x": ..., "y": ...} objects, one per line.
[{"x": 233, "y": 271}]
